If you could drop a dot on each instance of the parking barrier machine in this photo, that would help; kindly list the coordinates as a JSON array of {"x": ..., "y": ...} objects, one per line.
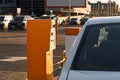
[{"x": 41, "y": 41}]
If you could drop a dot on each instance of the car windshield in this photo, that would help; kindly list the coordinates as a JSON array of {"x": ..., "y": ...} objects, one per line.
[
  {"x": 45, "y": 17},
  {"x": 18, "y": 19},
  {"x": 48, "y": 17},
  {"x": 1, "y": 18},
  {"x": 84, "y": 18},
  {"x": 73, "y": 18},
  {"x": 99, "y": 48}
]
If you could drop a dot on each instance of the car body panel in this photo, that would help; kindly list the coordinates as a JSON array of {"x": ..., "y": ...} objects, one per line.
[
  {"x": 69, "y": 74},
  {"x": 93, "y": 75}
]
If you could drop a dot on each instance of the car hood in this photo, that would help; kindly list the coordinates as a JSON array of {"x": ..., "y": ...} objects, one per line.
[{"x": 93, "y": 75}]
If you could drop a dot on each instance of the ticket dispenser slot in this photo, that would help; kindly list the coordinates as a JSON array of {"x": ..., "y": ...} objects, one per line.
[
  {"x": 53, "y": 39},
  {"x": 41, "y": 41}
]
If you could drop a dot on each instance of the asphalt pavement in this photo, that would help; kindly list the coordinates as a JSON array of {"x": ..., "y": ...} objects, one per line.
[{"x": 13, "y": 55}]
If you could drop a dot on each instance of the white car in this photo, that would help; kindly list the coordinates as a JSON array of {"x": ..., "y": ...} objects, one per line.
[
  {"x": 4, "y": 21},
  {"x": 95, "y": 55},
  {"x": 19, "y": 22},
  {"x": 53, "y": 18}
]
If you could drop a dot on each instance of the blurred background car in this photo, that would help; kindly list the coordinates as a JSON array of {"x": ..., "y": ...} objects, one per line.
[
  {"x": 53, "y": 18},
  {"x": 4, "y": 21},
  {"x": 95, "y": 54},
  {"x": 19, "y": 22},
  {"x": 74, "y": 21},
  {"x": 83, "y": 20}
]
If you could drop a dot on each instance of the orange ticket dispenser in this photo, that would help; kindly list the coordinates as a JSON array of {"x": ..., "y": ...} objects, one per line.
[{"x": 40, "y": 44}]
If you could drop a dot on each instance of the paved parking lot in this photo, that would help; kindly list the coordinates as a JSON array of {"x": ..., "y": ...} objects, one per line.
[{"x": 13, "y": 56}]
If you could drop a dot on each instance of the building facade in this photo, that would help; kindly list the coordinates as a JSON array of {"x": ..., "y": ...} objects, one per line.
[
  {"x": 104, "y": 9},
  {"x": 32, "y": 6},
  {"x": 7, "y": 6},
  {"x": 27, "y": 6},
  {"x": 73, "y": 11},
  {"x": 37, "y": 7}
]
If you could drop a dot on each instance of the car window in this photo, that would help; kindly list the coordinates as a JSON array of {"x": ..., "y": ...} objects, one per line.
[
  {"x": 18, "y": 18},
  {"x": 1, "y": 18},
  {"x": 99, "y": 48},
  {"x": 45, "y": 17},
  {"x": 48, "y": 17},
  {"x": 73, "y": 18}
]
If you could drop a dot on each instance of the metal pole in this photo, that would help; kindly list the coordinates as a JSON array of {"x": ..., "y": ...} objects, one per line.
[
  {"x": 102, "y": 10},
  {"x": 69, "y": 7},
  {"x": 69, "y": 14},
  {"x": 32, "y": 7},
  {"x": 98, "y": 9},
  {"x": 108, "y": 8}
]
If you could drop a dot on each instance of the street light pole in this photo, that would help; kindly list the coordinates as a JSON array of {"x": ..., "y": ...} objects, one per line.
[
  {"x": 32, "y": 7},
  {"x": 69, "y": 2},
  {"x": 69, "y": 14},
  {"x": 110, "y": 8}
]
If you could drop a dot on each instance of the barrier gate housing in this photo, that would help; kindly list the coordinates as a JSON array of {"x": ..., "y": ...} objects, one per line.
[{"x": 41, "y": 40}]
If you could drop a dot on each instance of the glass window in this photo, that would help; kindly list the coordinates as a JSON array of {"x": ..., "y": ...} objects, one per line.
[
  {"x": 73, "y": 18},
  {"x": 18, "y": 19},
  {"x": 0, "y": 1},
  {"x": 1, "y": 18},
  {"x": 45, "y": 17},
  {"x": 11, "y": 1},
  {"x": 99, "y": 48},
  {"x": 6, "y": 1}
]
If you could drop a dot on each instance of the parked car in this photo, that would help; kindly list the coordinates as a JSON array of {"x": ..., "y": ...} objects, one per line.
[
  {"x": 53, "y": 18},
  {"x": 83, "y": 20},
  {"x": 74, "y": 21},
  {"x": 95, "y": 54},
  {"x": 19, "y": 22},
  {"x": 4, "y": 21}
]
